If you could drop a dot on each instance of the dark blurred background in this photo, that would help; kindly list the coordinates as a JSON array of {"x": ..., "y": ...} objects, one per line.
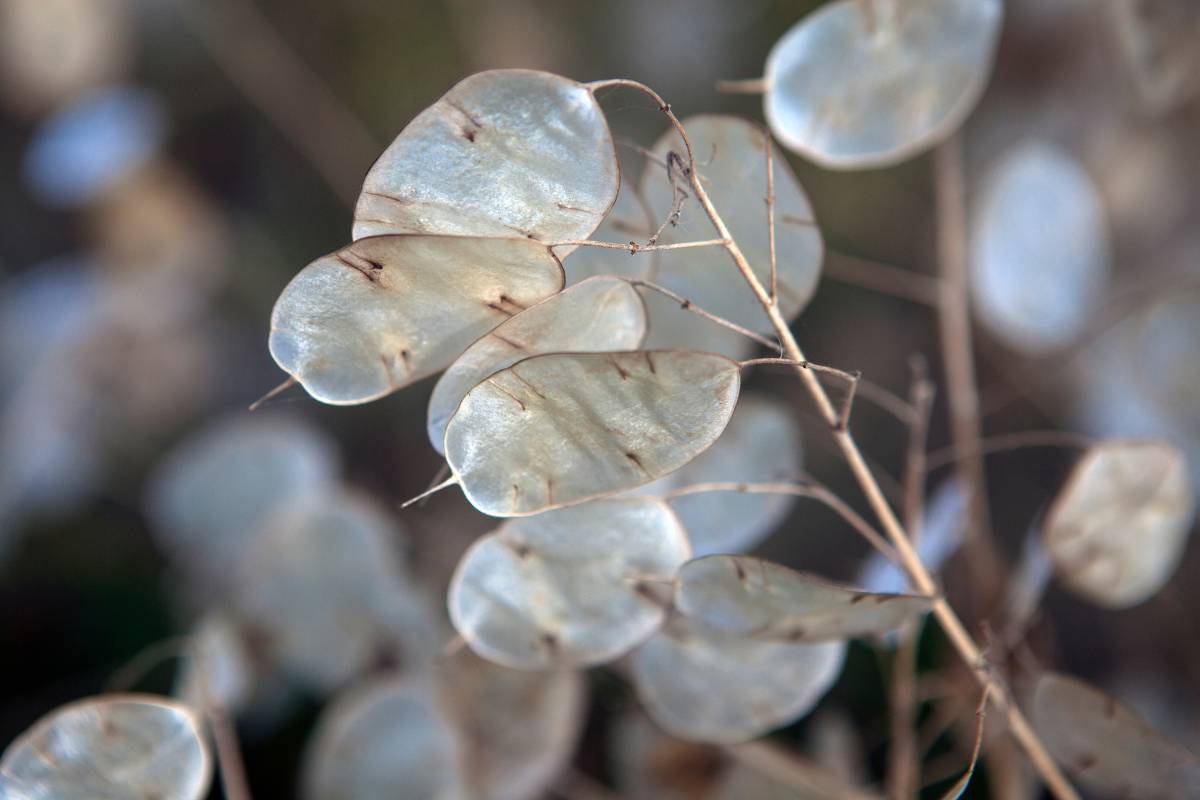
[{"x": 243, "y": 130}]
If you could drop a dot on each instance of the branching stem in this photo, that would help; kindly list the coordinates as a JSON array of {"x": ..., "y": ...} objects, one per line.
[
  {"x": 688, "y": 305},
  {"x": 809, "y": 489},
  {"x": 917, "y": 573}
]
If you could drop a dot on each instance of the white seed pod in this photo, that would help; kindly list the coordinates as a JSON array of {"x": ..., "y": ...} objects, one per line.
[
  {"x": 731, "y": 160},
  {"x": 1160, "y": 40},
  {"x": 519, "y": 728},
  {"x": 1118, "y": 527},
  {"x": 383, "y": 312},
  {"x": 859, "y": 84},
  {"x": 1107, "y": 747},
  {"x": 572, "y": 587},
  {"x": 117, "y": 746},
  {"x": 761, "y": 600},
  {"x": 703, "y": 684},
  {"x": 600, "y": 314},
  {"x": 760, "y": 445},
  {"x": 1040, "y": 254},
  {"x": 218, "y": 669},
  {"x": 558, "y": 429},
  {"x": 214, "y": 491},
  {"x": 503, "y": 153},
  {"x": 318, "y": 583},
  {"x": 628, "y": 221},
  {"x": 382, "y": 737}
]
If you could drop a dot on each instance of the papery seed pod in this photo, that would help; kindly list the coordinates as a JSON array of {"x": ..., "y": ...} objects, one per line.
[{"x": 869, "y": 84}]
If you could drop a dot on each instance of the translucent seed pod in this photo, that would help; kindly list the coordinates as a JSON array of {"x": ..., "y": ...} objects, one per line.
[
  {"x": 506, "y": 152},
  {"x": 571, "y": 587},
  {"x": 385, "y": 311},
  {"x": 859, "y": 84},
  {"x": 119, "y": 746},
  {"x": 1118, "y": 527},
  {"x": 558, "y": 429}
]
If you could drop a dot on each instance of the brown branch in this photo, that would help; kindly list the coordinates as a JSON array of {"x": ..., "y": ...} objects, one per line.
[
  {"x": 985, "y": 571},
  {"x": 918, "y": 575},
  {"x": 884, "y": 278},
  {"x": 1004, "y": 442},
  {"x": 288, "y": 92},
  {"x": 688, "y": 305},
  {"x": 809, "y": 489}
]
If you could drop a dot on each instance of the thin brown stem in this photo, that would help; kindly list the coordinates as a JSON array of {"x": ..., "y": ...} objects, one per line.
[
  {"x": 809, "y": 489},
  {"x": 770, "y": 151},
  {"x": 744, "y": 86},
  {"x": 687, "y": 305},
  {"x": 633, "y": 247},
  {"x": 962, "y": 395},
  {"x": 260, "y": 63},
  {"x": 903, "y": 758},
  {"x": 918, "y": 575},
  {"x": 884, "y": 278},
  {"x": 889, "y": 402},
  {"x": 278, "y": 390},
  {"x": 1005, "y": 442},
  {"x": 229, "y": 753}
]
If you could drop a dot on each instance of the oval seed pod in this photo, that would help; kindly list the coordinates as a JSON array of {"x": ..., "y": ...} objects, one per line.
[
  {"x": 1160, "y": 40},
  {"x": 1040, "y": 253},
  {"x": 572, "y": 587},
  {"x": 1118, "y": 527},
  {"x": 758, "y": 599},
  {"x": 212, "y": 492},
  {"x": 383, "y": 312},
  {"x": 117, "y": 746},
  {"x": 504, "y": 153},
  {"x": 731, "y": 159},
  {"x": 598, "y": 315},
  {"x": 518, "y": 728},
  {"x": 381, "y": 736},
  {"x": 701, "y": 683},
  {"x": 218, "y": 669},
  {"x": 1106, "y": 746},
  {"x": 558, "y": 429},
  {"x": 320, "y": 583},
  {"x": 760, "y": 444},
  {"x": 869, "y": 84}
]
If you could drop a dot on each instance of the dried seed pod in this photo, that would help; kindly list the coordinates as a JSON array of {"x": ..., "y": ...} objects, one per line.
[
  {"x": 598, "y": 315},
  {"x": 558, "y": 429},
  {"x": 571, "y": 587},
  {"x": 320, "y": 583},
  {"x": 707, "y": 685},
  {"x": 519, "y": 728},
  {"x": 1118, "y": 527},
  {"x": 385, "y": 311},
  {"x": 869, "y": 84},
  {"x": 761, "y": 600},
  {"x": 215, "y": 490},
  {"x": 731, "y": 156},
  {"x": 382, "y": 735},
  {"x": 1106, "y": 746},
  {"x": 761, "y": 444},
  {"x": 1040, "y": 249},
  {"x": 118, "y": 746},
  {"x": 1160, "y": 40},
  {"x": 503, "y": 153}
]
